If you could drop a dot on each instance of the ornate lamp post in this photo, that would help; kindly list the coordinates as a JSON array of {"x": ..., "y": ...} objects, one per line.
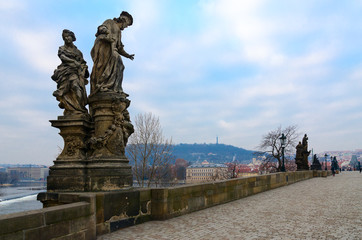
[
  {"x": 325, "y": 161},
  {"x": 282, "y": 143}
]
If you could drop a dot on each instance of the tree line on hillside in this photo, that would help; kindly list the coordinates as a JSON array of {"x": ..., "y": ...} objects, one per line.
[{"x": 215, "y": 153}]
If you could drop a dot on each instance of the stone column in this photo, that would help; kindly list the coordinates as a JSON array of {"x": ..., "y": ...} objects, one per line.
[
  {"x": 107, "y": 166},
  {"x": 69, "y": 170}
]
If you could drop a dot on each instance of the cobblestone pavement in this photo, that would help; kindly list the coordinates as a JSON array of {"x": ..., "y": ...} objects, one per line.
[{"x": 319, "y": 208}]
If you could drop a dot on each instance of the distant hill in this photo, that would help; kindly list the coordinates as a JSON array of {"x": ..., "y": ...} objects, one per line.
[{"x": 215, "y": 153}]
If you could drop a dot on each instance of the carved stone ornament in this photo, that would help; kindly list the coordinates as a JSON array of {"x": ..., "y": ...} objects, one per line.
[
  {"x": 73, "y": 145},
  {"x": 116, "y": 136}
]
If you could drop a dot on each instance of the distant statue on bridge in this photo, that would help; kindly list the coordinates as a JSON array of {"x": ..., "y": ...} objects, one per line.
[
  {"x": 316, "y": 165},
  {"x": 302, "y": 153}
]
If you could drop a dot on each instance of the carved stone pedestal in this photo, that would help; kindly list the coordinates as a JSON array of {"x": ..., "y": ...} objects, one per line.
[
  {"x": 302, "y": 164},
  {"x": 93, "y": 156},
  {"x": 69, "y": 170},
  {"x": 108, "y": 167},
  {"x": 108, "y": 175},
  {"x": 67, "y": 176}
]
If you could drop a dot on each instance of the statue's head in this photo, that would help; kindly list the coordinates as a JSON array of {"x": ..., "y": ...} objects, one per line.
[
  {"x": 67, "y": 32},
  {"x": 125, "y": 19}
]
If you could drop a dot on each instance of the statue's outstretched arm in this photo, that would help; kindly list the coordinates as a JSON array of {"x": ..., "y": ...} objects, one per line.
[{"x": 123, "y": 53}]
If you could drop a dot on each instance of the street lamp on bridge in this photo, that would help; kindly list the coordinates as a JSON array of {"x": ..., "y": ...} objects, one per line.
[{"x": 282, "y": 143}]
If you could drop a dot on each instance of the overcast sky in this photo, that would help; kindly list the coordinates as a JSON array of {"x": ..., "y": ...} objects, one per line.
[{"x": 233, "y": 69}]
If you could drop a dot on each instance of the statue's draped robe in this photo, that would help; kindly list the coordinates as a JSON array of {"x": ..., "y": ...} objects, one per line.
[
  {"x": 107, "y": 73},
  {"x": 71, "y": 81}
]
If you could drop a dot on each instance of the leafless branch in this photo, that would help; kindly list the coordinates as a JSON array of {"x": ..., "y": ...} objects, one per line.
[
  {"x": 270, "y": 146},
  {"x": 148, "y": 150}
]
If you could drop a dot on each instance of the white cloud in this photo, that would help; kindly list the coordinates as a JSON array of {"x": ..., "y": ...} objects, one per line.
[
  {"x": 146, "y": 14},
  {"x": 38, "y": 48},
  {"x": 16, "y": 5},
  {"x": 236, "y": 69}
]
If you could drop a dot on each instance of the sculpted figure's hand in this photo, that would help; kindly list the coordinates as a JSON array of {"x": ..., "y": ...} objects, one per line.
[{"x": 131, "y": 56}]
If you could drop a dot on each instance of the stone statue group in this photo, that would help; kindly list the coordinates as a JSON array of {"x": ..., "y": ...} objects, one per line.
[
  {"x": 107, "y": 73},
  {"x": 301, "y": 158},
  {"x": 93, "y": 157},
  {"x": 106, "y": 78}
]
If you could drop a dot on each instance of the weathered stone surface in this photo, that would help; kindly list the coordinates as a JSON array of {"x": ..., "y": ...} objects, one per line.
[
  {"x": 103, "y": 228},
  {"x": 48, "y": 231},
  {"x": 108, "y": 178},
  {"x": 65, "y": 183},
  {"x": 75, "y": 236},
  {"x": 65, "y": 221},
  {"x": 75, "y": 132},
  {"x": 112, "y": 125},
  {"x": 66, "y": 212},
  {"x": 15, "y": 222},
  {"x": 81, "y": 224},
  {"x": 12, "y": 236}
]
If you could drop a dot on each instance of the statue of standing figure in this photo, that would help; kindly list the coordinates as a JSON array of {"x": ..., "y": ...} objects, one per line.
[
  {"x": 305, "y": 142},
  {"x": 107, "y": 72},
  {"x": 71, "y": 77},
  {"x": 301, "y": 158}
]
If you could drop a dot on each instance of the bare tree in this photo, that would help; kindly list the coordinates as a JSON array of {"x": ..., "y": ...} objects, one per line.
[
  {"x": 271, "y": 148},
  {"x": 148, "y": 150},
  {"x": 220, "y": 173},
  {"x": 232, "y": 168}
]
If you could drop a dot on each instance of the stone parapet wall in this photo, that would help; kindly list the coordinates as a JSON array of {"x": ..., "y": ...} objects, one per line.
[
  {"x": 85, "y": 215},
  {"x": 113, "y": 210},
  {"x": 176, "y": 201},
  {"x": 116, "y": 210},
  {"x": 71, "y": 221}
]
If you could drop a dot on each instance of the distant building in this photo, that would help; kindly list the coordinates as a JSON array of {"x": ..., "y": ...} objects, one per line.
[
  {"x": 247, "y": 170},
  {"x": 29, "y": 173},
  {"x": 206, "y": 172}
]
